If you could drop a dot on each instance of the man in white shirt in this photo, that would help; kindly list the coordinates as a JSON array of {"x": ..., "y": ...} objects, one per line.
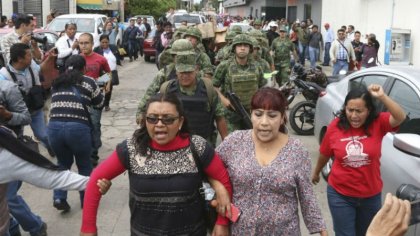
[
  {"x": 67, "y": 45},
  {"x": 350, "y": 32},
  {"x": 328, "y": 39}
]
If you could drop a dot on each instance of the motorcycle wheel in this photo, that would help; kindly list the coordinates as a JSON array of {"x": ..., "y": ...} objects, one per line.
[{"x": 302, "y": 118}]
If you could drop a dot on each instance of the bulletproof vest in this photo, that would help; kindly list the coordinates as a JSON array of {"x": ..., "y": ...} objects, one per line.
[
  {"x": 198, "y": 110},
  {"x": 244, "y": 82}
]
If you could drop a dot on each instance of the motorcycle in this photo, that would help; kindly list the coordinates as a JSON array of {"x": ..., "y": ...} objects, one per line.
[{"x": 310, "y": 83}]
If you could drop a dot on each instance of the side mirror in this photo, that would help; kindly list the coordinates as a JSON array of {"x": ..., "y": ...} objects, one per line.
[
  {"x": 408, "y": 143},
  {"x": 100, "y": 29}
]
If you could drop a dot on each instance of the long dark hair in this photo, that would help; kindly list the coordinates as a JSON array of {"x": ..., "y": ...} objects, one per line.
[
  {"x": 75, "y": 66},
  {"x": 355, "y": 93},
  {"x": 141, "y": 137}
]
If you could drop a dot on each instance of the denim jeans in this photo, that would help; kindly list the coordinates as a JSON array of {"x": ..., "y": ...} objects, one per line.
[
  {"x": 21, "y": 211},
  {"x": 313, "y": 55},
  {"x": 302, "y": 53},
  {"x": 95, "y": 115},
  {"x": 340, "y": 65},
  {"x": 352, "y": 216},
  {"x": 39, "y": 128},
  {"x": 327, "y": 54},
  {"x": 71, "y": 141}
]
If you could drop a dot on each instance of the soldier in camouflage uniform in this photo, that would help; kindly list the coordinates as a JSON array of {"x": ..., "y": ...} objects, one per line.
[
  {"x": 258, "y": 25},
  {"x": 241, "y": 75},
  {"x": 256, "y": 53},
  {"x": 281, "y": 47},
  {"x": 165, "y": 57},
  {"x": 263, "y": 42},
  {"x": 237, "y": 29},
  {"x": 181, "y": 47},
  {"x": 194, "y": 36},
  {"x": 200, "y": 100},
  {"x": 225, "y": 52}
]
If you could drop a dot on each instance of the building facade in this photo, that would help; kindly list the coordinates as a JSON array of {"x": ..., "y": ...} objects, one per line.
[{"x": 41, "y": 8}]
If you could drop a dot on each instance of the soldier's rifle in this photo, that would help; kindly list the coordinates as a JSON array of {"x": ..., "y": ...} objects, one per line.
[{"x": 237, "y": 106}]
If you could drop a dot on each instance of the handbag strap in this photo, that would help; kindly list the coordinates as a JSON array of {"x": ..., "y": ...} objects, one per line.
[
  {"x": 12, "y": 144},
  {"x": 197, "y": 160},
  {"x": 12, "y": 74},
  {"x": 76, "y": 91},
  {"x": 343, "y": 46}
]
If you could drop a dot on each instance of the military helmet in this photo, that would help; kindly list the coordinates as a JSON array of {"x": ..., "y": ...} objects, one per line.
[
  {"x": 181, "y": 29},
  {"x": 237, "y": 29},
  {"x": 193, "y": 32},
  {"x": 256, "y": 33},
  {"x": 230, "y": 35},
  {"x": 185, "y": 63},
  {"x": 181, "y": 47},
  {"x": 255, "y": 43},
  {"x": 257, "y": 22},
  {"x": 241, "y": 39}
]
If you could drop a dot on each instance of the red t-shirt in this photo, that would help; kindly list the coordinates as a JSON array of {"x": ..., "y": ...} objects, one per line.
[
  {"x": 356, "y": 168},
  {"x": 95, "y": 63}
]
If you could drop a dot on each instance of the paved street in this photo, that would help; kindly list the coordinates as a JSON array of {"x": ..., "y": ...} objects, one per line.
[{"x": 118, "y": 124}]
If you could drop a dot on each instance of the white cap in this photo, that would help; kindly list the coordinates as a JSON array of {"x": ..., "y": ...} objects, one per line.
[{"x": 273, "y": 24}]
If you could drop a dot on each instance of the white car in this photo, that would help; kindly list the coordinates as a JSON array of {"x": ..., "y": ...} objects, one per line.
[
  {"x": 86, "y": 23},
  {"x": 400, "y": 159},
  {"x": 245, "y": 26},
  {"x": 191, "y": 19}
]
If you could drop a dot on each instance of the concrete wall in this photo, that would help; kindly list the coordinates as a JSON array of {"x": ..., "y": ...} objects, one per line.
[
  {"x": 316, "y": 10},
  {"x": 375, "y": 16}
]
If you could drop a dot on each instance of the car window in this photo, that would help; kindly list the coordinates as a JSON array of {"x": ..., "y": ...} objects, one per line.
[
  {"x": 367, "y": 80},
  {"x": 404, "y": 95},
  {"x": 84, "y": 25},
  {"x": 188, "y": 18}
]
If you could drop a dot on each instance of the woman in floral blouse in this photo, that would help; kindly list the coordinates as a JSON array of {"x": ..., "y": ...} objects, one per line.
[{"x": 270, "y": 173}]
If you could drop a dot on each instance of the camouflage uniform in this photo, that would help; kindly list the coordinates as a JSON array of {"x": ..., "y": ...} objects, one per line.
[
  {"x": 225, "y": 52},
  {"x": 187, "y": 63},
  {"x": 243, "y": 80},
  {"x": 202, "y": 59},
  {"x": 165, "y": 57},
  {"x": 263, "y": 42},
  {"x": 265, "y": 67},
  {"x": 179, "y": 47},
  {"x": 282, "y": 48}
]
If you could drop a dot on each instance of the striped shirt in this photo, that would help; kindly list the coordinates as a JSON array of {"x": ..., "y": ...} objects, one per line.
[{"x": 66, "y": 105}]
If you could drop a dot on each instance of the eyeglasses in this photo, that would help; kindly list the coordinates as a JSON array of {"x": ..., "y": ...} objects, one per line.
[{"x": 165, "y": 120}]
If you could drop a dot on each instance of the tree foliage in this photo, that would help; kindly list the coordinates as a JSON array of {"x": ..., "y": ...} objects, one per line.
[{"x": 156, "y": 8}]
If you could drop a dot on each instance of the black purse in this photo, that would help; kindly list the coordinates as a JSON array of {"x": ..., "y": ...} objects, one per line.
[
  {"x": 115, "y": 80},
  {"x": 35, "y": 98}
]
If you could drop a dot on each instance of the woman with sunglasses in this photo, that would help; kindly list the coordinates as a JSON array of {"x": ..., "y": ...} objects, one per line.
[{"x": 163, "y": 176}]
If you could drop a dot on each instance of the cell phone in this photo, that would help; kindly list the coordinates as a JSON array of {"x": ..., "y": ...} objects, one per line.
[
  {"x": 56, "y": 50},
  {"x": 415, "y": 212},
  {"x": 236, "y": 212}
]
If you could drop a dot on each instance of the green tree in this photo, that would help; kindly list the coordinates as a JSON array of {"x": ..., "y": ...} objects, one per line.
[{"x": 156, "y": 8}]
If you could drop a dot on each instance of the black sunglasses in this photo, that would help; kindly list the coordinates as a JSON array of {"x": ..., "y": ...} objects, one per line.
[{"x": 165, "y": 120}]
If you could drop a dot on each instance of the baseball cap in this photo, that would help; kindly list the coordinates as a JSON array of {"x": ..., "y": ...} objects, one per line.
[{"x": 185, "y": 63}]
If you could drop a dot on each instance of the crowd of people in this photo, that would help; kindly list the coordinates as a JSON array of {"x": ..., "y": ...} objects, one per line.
[{"x": 257, "y": 167}]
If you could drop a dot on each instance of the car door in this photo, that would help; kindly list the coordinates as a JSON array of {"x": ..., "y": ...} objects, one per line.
[{"x": 397, "y": 165}]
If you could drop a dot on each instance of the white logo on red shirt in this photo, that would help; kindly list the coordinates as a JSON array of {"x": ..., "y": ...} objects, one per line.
[{"x": 355, "y": 157}]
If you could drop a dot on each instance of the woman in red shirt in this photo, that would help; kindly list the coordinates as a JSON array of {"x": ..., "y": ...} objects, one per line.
[
  {"x": 163, "y": 177},
  {"x": 354, "y": 139}
]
